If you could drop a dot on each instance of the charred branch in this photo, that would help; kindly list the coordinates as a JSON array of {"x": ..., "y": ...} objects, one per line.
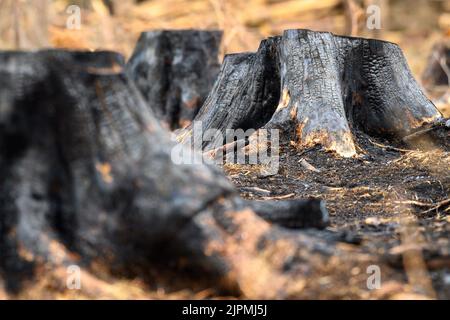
[{"x": 293, "y": 214}]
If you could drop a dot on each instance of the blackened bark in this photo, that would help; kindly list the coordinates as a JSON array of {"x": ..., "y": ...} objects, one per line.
[
  {"x": 36, "y": 187},
  {"x": 329, "y": 86},
  {"x": 245, "y": 93},
  {"x": 175, "y": 70},
  {"x": 77, "y": 142},
  {"x": 382, "y": 97}
]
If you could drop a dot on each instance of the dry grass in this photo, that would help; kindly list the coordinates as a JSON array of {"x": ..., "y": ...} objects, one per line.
[{"x": 245, "y": 22}]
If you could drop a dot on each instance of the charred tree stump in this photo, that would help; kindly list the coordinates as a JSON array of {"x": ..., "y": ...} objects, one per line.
[
  {"x": 436, "y": 77},
  {"x": 329, "y": 86},
  {"x": 86, "y": 172},
  {"x": 175, "y": 70},
  {"x": 437, "y": 71}
]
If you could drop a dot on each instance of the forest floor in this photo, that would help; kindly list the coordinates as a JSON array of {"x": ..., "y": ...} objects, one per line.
[
  {"x": 391, "y": 203},
  {"x": 389, "y": 208}
]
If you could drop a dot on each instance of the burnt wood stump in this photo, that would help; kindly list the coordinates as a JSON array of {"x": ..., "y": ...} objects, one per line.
[
  {"x": 437, "y": 71},
  {"x": 175, "y": 70},
  {"x": 317, "y": 89}
]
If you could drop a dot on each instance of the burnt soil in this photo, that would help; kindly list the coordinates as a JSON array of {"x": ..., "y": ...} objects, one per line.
[{"x": 391, "y": 202}]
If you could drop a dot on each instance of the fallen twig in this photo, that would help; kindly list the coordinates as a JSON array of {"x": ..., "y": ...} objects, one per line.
[
  {"x": 389, "y": 147},
  {"x": 290, "y": 195},
  {"x": 418, "y": 134},
  {"x": 256, "y": 190},
  {"x": 437, "y": 206},
  {"x": 305, "y": 164},
  {"x": 416, "y": 203}
]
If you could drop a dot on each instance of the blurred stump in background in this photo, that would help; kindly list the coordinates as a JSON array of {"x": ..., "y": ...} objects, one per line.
[
  {"x": 437, "y": 72},
  {"x": 436, "y": 77},
  {"x": 175, "y": 70}
]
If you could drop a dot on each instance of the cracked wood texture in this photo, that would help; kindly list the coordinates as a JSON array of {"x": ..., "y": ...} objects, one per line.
[
  {"x": 87, "y": 178},
  {"x": 175, "y": 70},
  {"x": 329, "y": 87},
  {"x": 244, "y": 95}
]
